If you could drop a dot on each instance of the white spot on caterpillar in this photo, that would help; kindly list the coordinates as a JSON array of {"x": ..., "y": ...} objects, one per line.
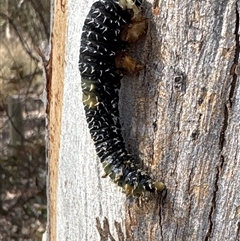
[
  {"x": 85, "y": 70},
  {"x": 99, "y": 14},
  {"x": 92, "y": 69},
  {"x": 105, "y": 18},
  {"x": 85, "y": 49},
  {"x": 104, "y": 29},
  {"x": 117, "y": 32},
  {"x": 91, "y": 21},
  {"x": 91, "y": 87},
  {"x": 88, "y": 98},
  {"x": 112, "y": 53}
]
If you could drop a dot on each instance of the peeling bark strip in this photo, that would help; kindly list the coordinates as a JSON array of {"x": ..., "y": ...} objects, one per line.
[
  {"x": 108, "y": 27},
  {"x": 55, "y": 80}
]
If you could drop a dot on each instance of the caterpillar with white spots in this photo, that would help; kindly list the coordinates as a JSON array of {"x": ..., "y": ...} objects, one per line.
[{"x": 108, "y": 27}]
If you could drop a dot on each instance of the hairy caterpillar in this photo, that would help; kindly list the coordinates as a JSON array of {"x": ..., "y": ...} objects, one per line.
[{"x": 108, "y": 27}]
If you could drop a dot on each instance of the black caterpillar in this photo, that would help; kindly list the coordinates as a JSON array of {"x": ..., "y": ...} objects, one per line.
[{"x": 108, "y": 27}]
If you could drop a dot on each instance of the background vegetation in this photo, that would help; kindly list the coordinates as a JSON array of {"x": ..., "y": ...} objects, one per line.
[{"x": 24, "y": 29}]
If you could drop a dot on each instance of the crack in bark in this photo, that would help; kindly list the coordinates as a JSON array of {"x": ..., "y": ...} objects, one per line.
[
  {"x": 213, "y": 206},
  {"x": 160, "y": 224},
  {"x": 235, "y": 77},
  {"x": 105, "y": 231},
  {"x": 119, "y": 231},
  {"x": 227, "y": 108},
  {"x": 236, "y": 57},
  {"x": 238, "y": 232},
  {"x": 160, "y": 215}
]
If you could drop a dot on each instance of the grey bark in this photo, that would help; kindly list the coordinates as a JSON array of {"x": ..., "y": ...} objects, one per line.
[{"x": 181, "y": 121}]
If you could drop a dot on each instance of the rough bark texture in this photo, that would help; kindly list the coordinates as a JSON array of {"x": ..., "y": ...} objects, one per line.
[
  {"x": 185, "y": 121},
  {"x": 181, "y": 118}
]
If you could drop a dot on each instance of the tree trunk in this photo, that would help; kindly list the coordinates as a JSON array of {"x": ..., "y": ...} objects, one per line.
[{"x": 181, "y": 119}]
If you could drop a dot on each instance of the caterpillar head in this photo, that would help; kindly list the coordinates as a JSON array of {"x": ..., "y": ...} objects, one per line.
[{"x": 131, "y": 5}]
